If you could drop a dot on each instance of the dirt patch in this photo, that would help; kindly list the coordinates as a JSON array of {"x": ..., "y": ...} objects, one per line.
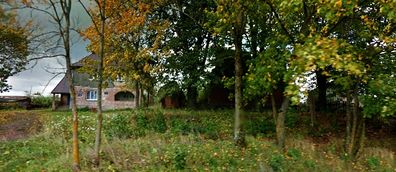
[{"x": 18, "y": 125}]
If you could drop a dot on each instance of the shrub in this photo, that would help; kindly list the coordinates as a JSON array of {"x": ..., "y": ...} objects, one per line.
[
  {"x": 180, "y": 159},
  {"x": 309, "y": 164},
  {"x": 142, "y": 121},
  {"x": 158, "y": 123},
  {"x": 260, "y": 126},
  {"x": 294, "y": 153},
  {"x": 373, "y": 162},
  {"x": 41, "y": 102},
  {"x": 291, "y": 118},
  {"x": 180, "y": 126},
  {"x": 276, "y": 162},
  {"x": 119, "y": 126}
]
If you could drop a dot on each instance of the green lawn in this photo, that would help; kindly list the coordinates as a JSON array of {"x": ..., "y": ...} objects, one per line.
[{"x": 169, "y": 140}]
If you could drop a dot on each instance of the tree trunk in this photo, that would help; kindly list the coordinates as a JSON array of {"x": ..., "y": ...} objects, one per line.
[
  {"x": 273, "y": 104},
  {"x": 362, "y": 137},
  {"x": 137, "y": 92},
  {"x": 98, "y": 136},
  {"x": 65, "y": 34},
  {"x": 192, "y": 96},
  {"x": 312, "y": 109},
  {"x": 53, "y": 102},
  {"x": 239, "y": 137},
  {"x": 280, "y": 124},
  {"x": 76, "y": 151},
  {"x": 348, "y": 121},
  {"x": 354, "y": 123},
  {"x": 322, "y": 89}
]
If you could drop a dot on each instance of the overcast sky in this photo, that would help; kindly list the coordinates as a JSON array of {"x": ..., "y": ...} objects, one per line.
[{"x": 35, "y": 79}]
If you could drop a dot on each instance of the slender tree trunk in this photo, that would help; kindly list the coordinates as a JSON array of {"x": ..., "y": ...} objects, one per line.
[
  {"x": 273, "y": 104},
  {"x": 354, "y": 123},
  {"x": 53, "y": 102},
  {"x": 141, "y": 96},
  {"x": 280, "y": 124},
  {"x": 148, "y": 98},
  {"x": 65, "y": 34},
  {"x": 76, "y": 151},
  {"x": 99, "y": 122},
  {"x": 362, "y": 137},
  {"x": 348, "y": 121},
  {"x": 137, "y": 92},
  {"x": 312, "y": 109},
  {"x": 239, "y": 137}
]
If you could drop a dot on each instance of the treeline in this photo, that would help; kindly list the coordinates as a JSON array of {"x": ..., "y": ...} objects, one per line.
[
  {"x": 279, "y": 52},
  {"x": 255, "y": 50}
]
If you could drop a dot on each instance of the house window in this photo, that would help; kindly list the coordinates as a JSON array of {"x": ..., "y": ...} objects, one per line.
[
  {"x": 92, "y": 95},
  {"x": 124, "y": 96}
]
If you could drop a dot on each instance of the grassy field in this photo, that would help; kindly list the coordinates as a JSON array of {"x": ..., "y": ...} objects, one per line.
[{"x": 172, "y": 140}]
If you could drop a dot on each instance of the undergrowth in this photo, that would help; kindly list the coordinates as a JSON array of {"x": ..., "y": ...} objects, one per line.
[{"x": 181, "y": 140}]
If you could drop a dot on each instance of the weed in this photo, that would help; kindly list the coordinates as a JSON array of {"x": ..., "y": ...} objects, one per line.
[
  {"x": 276, "y": 162},
  {"x": 373, "y": 162}
]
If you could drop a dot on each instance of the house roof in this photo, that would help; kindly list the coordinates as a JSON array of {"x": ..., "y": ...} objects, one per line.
[
  {"x": 79, "y": 79},
  {"x": 61, "y": 88},
  {"x": 80, "y": 63}
]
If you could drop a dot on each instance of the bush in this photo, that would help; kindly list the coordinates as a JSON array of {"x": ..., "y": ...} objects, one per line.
[
  {"x": 119, "y": 126},
  {"x": 373, "y": 162},
  {"x": 142, "y": 121},
  {"x": 180, "y": 126},
  {"x": 292, "y": 118},
  {"x": 276, "y": 162},
  {"x": 158, "y": 123},
  {"x": 41, "y": 102},
  {"x": 180, "y": 159},
  {"x": 294, "y": 153},
  {"x": 210, "y": 129},
  {"x": 260, "y": 126}
]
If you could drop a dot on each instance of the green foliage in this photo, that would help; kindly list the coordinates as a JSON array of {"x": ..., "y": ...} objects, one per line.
[
  {"x": 309, "y": 164},
  {"x": 373, "y": 163},
  {"x": 168, "y": 151},
  {"x": 276, "y": 162},
  {"x": 158, "y": 123},
  {"x": 41, "y": 101},
  {"x": 292, "y": 118},
  {"x": 142, "y": 120},
  {"x": 180, "y": 159},
  {"x": 381, "y": 97},
  {"x": 210, "y": 129},
  {"x": 180, "y": 126},
  {"x": 294, "y": 153},
  {"x": 265, "y": 126},
  {"x": 13, "y": 48},
  {"x": 119, "y": 125}
]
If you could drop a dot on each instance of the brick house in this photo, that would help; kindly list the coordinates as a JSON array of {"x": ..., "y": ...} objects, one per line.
[{"x": 115, "y": 96}]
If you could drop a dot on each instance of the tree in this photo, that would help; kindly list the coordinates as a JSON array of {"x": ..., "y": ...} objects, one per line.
[
  {"x": 13, "y": 48},
  {"x": 118, "y": 32},
  {"x": 59, "y": 12},
  {"x": 99, "y": 26},
  {"x": 189, "y": 44},
  {"x": 347, "y": 45},
  {"x": 229, "y": 19}
]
